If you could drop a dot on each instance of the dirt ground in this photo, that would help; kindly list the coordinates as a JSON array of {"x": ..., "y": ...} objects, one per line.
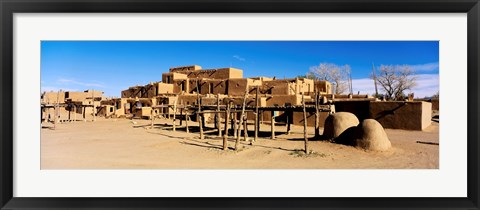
[{"x": 131, "y": 144}]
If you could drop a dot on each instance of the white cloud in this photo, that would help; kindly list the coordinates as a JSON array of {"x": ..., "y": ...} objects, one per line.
[
  {"x": 55, "y": 89},
  {"x": 425, "y": 67},
  {"x": 365, "y": 86},
  {"x": 71, "y": 81},
  {"x": 239, "y": 58},
  {"x": 427, "y": 85}
]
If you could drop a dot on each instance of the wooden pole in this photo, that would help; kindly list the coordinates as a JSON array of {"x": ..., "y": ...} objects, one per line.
[
  {"x": 199, "y": 117},
  {"x": 288, "y": 121},
  {"x": 187, "y": 117},
  {"x": 175, "y": 114},
  {"x": 272, "y": 127},
  {"x": 225, "y": 135},
  {"x": 74, "y": 113},
  {"x": 55, "y": 117},
  {"x": 317, "y": 116},
  {"x": 305, "y": 123},
  {"x": 234, "y": 124},
  {"x": 151, "y": 118},
  {"x": 241, "y": 118},
  {"x": 94, "y": 108},
  {"x": 69, "y": 114},
  {"x": 256, "y": 115},
  {"x": 245, "y": 128},
  {"x": 219, "y": 121},
  {"x": 114, "y": 108},
  {"x": 181, "y": 113},
  {"x": 55, "y": 111}
]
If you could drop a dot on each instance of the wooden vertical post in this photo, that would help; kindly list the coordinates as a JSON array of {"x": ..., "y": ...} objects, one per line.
[
  {"x": 234, "y": 124},
  {"x": 74, "y": 113},
  {"x": 256, "y": 114},
  {"x": 55, "y": 117},
  {"x": 245, "y": 128},
  {"x": 181, "y": 113},
  {"x": 55, "y": 111},
  {"x": 83, "y": 113},
  {"x": 199, "y": 116},
  {"x": 187, "y": 117},
  {"x": 69, "y": 114},
  {"x": 289, "y": 121},
  {"x": 175, "y": 114},
  {"x": 114, "y": 108},
  {"x": 241, "y": 118},
  {"x": 93, "y": 104},
  {"x": 151, "y": 118},
  {"x": 305, "y": 123},
  {"x": 225, "y": 135},
  {"x": 317, "y": 115},
  {"x": 219, "y": 121},
  {"x": 272, "y": 125}
]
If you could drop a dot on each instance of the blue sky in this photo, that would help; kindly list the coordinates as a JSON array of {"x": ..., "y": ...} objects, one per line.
[{"x": 112, "y": 66}]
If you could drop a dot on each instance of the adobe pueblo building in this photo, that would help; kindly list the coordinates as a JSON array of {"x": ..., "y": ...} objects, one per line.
[{"x": 221, "y": 95}]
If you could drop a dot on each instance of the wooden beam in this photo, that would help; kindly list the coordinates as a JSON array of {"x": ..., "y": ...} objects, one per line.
[
  {"x": 218, "y": 118},
  {"x": 289, "y": 121},
  {"x": 187, "y": 118},
  {"x": 305, "y": 123},
  {"x": 317, "y": 115},
  {"x": 241, "y": 118},
  {"x": 245, "y": 128},
  {"x": 256, "y": 114},
  {"x": 175, "y": 114},
  {"x": 272, "y": 125},
  {"x": 234, "y": 124},
  {"x": 225, "y": 135},
  {"x": 93, "y": 107},
  {"x": 199, "y": 116},
  {"x": 151, "y": 118}
]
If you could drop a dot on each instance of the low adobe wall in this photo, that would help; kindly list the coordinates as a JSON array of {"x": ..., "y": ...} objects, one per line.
[
  {"x": 415, "y": 115},
  {"x": 402, "y": 115}
]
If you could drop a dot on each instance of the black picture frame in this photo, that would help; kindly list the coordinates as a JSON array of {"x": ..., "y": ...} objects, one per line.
[{"x": 9, "y": 7}]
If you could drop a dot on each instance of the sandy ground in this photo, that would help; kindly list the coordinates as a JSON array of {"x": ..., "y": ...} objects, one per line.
[{"x": 127, "y": 144}]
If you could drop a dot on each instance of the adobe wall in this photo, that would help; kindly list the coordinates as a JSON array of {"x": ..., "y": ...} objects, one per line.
[
  {"x": 185, "y": 68},
  {"x": 172, "y": 76},
  {"x": 282, "y": 100},
  {"x": 51, "y": 97},
  {"x": 81, "y": 96},
  {"x": 132, "y": 92},
  {"x": 361, "y": 109},
  {"x": 163, "y": 88},
  {"x": 305, "y": 85},
  {"x": 235, "y": 73},
  {"x": 324, "y": 87},
  {"x": 426, "y": 114},
  {"x": 402, "y": 115},
  {"x": 237, "y": 87},
  {"x": 275, "y": 87},
  {"x": 213, "y": 86},
  {"x": 221, "y": 73},
  {"x": 180, "y": 85},
  {"x": 298, "y": 118}
]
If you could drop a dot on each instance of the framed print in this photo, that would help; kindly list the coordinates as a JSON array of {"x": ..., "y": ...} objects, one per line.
[{"x": 239, "y": 105}]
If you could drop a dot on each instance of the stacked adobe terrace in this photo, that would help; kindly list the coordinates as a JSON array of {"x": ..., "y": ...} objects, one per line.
[
  {"x": 182, "y": 84},
  {"x": 189, "y": 92}
]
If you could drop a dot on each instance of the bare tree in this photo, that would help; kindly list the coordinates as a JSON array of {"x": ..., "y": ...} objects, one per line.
[
  {"x": 338, "y": 75},
  {"x": 394, "y": 80}
]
